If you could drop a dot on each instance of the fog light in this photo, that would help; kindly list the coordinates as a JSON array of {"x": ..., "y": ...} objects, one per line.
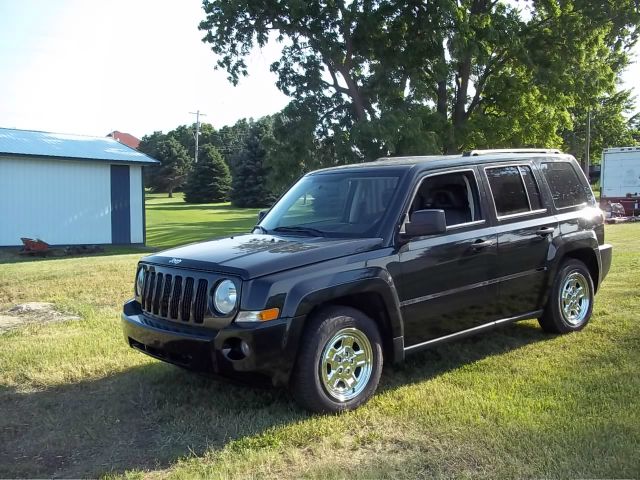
[
  {"x": 244, "y": 346},
  {"x": 235, "y": 349}
]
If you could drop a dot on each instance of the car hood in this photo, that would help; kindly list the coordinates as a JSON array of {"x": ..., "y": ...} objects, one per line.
[{"x": 254, "y": 255}]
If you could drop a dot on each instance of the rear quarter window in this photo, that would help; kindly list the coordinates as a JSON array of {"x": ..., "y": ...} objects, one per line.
[{"x": 567, "y": 188}]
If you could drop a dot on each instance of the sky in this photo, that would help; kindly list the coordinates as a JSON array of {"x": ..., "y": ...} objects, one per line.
[{"x": 90, "y": 67}]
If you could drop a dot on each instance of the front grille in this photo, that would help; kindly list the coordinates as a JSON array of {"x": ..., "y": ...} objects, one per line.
[{"x": 174, "y": 297}]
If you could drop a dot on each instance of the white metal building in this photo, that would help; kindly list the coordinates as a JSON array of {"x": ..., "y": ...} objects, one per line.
[{"x": 70, "y": 189}]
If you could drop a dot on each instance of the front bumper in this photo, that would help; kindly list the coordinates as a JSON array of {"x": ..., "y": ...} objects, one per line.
[
  {"x": 272, "y": 346},
  {"x": 606, "y": 252}
]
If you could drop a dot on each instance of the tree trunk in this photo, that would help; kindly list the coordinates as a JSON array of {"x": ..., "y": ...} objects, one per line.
[
  {"x": 450, "y": 147},
  {"x": 354, "y": 92},
  {"x": 459, "y": 114},
  {"x": 170, "y": 192},
  {"x": 459, "y": 111},
  {"x": 361, "y": 113},
  {"x": 442, "y": 98}
]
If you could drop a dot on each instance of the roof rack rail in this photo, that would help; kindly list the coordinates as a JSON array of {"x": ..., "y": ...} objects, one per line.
[{"x": 475, "y": 153}]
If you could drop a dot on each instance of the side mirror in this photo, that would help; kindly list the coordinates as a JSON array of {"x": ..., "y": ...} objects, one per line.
[
  {"x": 262, "y": 214},
  {"x": 426, "y": 222}
]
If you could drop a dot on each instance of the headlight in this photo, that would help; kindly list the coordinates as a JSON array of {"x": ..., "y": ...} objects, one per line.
[
  {"x": 139, "y": 282},
  {"x": 225, "y": 297}
]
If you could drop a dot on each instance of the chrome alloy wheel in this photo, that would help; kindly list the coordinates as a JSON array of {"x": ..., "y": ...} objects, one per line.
[
  {"x": 346, "y": 364},
  {"x": 575, "y": 298}
]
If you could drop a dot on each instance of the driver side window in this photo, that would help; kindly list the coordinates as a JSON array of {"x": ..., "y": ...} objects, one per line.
[{"x": 455, "y": 193}]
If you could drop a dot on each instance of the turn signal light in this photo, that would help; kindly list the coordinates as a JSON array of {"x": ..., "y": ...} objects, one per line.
[
  {"x": 259, "y": 316},
  {"x": 270, "y": 314}
]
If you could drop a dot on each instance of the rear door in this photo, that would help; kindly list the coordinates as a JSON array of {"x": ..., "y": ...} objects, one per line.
[{"x": 525, "y": 229}]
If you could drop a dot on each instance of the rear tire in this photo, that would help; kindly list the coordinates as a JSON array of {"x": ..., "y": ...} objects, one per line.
[
  {"x": 570, "y": 302},
  {"x": 339, "y": 363}
]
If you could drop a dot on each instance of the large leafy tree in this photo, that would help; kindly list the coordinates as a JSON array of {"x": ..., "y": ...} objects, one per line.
[
  {"x": 610, "y": 126},
  {"x": 210, "y": 180},
  {"x": 175, "y": 165},
  {"x": 380, "y": 74}
]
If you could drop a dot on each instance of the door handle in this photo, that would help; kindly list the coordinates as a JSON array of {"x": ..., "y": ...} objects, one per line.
[
  {"x": 544, "y": 231},
  {"x": 480, "y": 244}
]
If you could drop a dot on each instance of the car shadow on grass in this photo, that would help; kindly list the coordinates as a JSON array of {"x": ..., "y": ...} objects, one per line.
[
  {"x": 152, "y": 415},
  {"x": 143, "y": 418}
]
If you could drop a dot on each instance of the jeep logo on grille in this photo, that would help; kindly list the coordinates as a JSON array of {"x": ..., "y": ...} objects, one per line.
[{"x": 175, "y": 261}]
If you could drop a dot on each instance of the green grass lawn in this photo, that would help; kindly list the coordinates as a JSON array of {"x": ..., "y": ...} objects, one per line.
[
  {"x": 171, "y": 221},
  {"x": 75, "y": 401}
]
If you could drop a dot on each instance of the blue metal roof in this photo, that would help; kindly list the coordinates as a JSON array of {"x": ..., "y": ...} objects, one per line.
[{"x": 62, "y": 145}]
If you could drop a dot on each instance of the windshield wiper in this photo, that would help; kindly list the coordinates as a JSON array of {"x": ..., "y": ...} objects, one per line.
[{"x": 300, "y": 229}]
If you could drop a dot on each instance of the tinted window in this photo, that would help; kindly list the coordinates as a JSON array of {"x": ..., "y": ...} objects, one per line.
[
  {"x": 508, "y": 190},
  {"x": 566, "y": 188},
  {"x": 532, "y": 187},
  {"x": 454, "y": 193}
]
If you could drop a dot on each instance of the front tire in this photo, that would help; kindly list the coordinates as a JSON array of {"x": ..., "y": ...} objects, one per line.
[
  {"x": 340, "y": 361},
  {"x": 570, "y": 302}
]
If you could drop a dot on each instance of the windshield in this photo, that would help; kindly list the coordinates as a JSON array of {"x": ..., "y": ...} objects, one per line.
[{"x": 345, "y": 204}]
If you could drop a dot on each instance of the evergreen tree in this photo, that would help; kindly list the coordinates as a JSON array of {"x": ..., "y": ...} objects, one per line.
[
  {"x": 250, "y": 188},
  {"x": 149, "y": 146},
  {"x": 231, "y": 139},
  {"x": 175, "y": 165},
  {"x": 210, "y": 180}
]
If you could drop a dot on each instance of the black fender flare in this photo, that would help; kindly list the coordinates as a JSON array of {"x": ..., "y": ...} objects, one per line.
[
  {"x": 563, "y": 246},
  {"x": 309, "y": 294}
]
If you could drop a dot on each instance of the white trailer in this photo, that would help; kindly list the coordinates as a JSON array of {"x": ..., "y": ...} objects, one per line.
[{"x": 620, "y": 178}]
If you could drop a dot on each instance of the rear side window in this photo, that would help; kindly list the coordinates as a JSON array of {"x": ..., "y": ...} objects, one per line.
[
  {"x": 509, "y": 190},
  {"x": 566, "y": 187}
]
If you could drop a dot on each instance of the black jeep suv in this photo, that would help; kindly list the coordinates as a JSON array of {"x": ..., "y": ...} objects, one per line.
[{"x": 364, "y": 263}]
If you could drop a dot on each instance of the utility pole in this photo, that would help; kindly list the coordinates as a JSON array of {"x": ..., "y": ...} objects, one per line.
[
  {"x": 588, "y": 145},
  {"x": 197, "y": 134}
]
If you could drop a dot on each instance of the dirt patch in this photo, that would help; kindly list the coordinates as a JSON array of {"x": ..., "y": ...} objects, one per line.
[{"x": 32, "y": 312}]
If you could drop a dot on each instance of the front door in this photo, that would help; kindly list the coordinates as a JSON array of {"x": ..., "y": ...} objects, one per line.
[{"x": 445, "y": 283}]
